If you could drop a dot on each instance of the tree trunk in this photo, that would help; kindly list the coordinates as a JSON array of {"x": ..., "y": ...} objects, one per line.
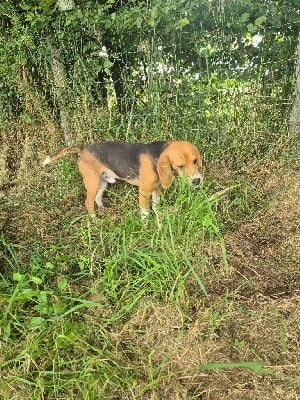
[
  {"x": 295, "y": 114},
  {"x": 61, "y": 91}
]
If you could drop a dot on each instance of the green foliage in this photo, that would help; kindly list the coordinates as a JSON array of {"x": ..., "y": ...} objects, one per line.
[
  {"x": 129, "y": 268},
  {"x": 79, "y": 297},
  {"x": 205, "y": 38},
  {"x": 130, "y": 263}
]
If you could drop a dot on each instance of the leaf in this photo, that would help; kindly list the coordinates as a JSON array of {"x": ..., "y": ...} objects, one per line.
[
  {"x": 6, "y": 330},
  {"x": 18, "y": 277},
  {"x": 43, "y": 308},
  {"x": 59, "y": 308},
  {"x": 37, "y": 322},
  {"x": 29, "y": 293},
  {"x": 259, "y": 21},
  {"x": 36, "y": 280},
  {"x": 153, "y": 16},
  {"x": 62, "y": 284},
  {"x": 138, "y": 22},
  {"x": 251, "y": 28},
  {"x": 42, "y": 297},
  {"x": 25, "y": 7},
  {"x": 182, "y": 22},
  {"x": 256, "y": 367},
  {"x": 46, "y": 4},
  {"x": 207, "y": 221},
  {"x": 244, "y": 17},
  {"x": 49, "y": 265}
]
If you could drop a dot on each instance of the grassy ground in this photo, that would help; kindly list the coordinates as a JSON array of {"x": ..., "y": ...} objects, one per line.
[{"x": 204, "y": 307}]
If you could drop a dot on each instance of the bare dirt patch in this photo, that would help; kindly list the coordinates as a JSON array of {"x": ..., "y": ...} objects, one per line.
[
  {"x": 257, "y": 321},
  {"x": 267, "y": 248}
]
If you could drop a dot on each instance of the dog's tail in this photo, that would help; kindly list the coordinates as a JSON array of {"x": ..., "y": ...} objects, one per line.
[{"x": 61, "y": 153}]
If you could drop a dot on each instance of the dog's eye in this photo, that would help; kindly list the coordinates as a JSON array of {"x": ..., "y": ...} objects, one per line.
[
  {"x": 180, "y": 167},
  {"x": 195, "y": 161}
]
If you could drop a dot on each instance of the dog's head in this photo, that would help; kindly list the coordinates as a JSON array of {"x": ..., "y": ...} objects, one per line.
[{"x": 181, "y": 158}]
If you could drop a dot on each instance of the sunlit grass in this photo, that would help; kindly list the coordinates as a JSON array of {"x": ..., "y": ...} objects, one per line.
[
  {"x": 78, "y": 296},
  {"x": 46, "y": 297}
]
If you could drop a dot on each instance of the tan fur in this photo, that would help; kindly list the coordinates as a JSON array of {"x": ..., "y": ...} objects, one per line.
[
  {"x": 179, "y": 156},
  {"x": 61, "y": 153},
  {"x": 90, "y": 169},
  {"x": 164, "y": 171},
  {"x": 148, "y": 181},
  {"x": 178, "y": 153}
]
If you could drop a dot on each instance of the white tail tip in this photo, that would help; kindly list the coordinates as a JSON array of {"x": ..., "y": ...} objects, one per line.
[{"x": 46, "y": 161}]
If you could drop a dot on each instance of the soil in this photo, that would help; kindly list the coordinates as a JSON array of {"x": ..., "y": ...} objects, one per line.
[
  {"x": 252, "y": 315},
  {"x": 258, "y": 320}
]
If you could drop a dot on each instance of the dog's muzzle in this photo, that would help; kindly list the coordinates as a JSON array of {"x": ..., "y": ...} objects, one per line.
[{"x": 195, "y": 180}]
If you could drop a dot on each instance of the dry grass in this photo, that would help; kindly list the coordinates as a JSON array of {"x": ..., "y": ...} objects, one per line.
[
  {"x": 259, "y": 320},
  {"x": 252, "y": 315}
]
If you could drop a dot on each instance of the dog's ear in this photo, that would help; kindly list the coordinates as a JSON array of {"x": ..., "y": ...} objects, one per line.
[
  {"x": 164, "y": 171},
  {"x": 199, "y": 162}
]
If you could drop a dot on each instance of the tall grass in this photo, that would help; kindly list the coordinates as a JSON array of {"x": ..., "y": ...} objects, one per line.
[
  {"x": 72, "y": 289},
  {"x": 56, "y": 298}
]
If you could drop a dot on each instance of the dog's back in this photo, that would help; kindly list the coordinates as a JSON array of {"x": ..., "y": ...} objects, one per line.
[{"x": 124, "y": 158}]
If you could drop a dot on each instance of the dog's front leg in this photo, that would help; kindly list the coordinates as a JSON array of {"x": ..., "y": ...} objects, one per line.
[
  {"x": 155, "y": 198},
  {"x": 144, "y": 201},
  {"x": 148, "y": 181}
]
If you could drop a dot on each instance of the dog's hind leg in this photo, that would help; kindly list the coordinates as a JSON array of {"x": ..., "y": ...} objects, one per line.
[
  {"x": 105, "y": 178},
  {"x": 91, "y": 182},
  {"x": 103, "y": 186}
]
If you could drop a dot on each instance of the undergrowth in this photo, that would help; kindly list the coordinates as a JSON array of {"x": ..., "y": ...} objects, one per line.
[{"x": 108, "y": 308}]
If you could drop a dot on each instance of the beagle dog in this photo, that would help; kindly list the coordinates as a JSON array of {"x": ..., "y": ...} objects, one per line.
[{"x": 151, "y": 167}]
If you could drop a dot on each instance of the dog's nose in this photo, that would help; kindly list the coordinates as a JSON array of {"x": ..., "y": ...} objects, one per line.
[{"x": 196, "y": 181}]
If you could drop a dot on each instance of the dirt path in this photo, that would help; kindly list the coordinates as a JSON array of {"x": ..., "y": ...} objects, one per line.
[{"x": 267, "y": 248}]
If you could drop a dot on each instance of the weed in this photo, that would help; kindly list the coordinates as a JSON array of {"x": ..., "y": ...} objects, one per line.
[{"x": 194, "y": 305}]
